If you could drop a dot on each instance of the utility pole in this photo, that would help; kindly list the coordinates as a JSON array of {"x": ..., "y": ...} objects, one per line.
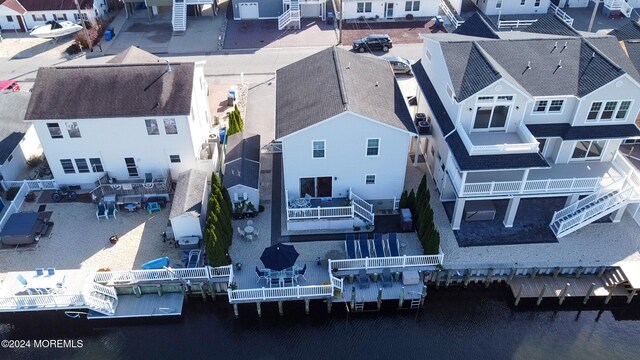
[
  {"x": 84, "y": 26},
  {"x": 340, "y": 24},
  {"x": 593, "y": 14}
]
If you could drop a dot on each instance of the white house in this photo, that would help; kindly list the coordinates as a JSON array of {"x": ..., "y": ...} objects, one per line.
[
  {"x": 19, "y": 140},
  {"x": 512, "y": 7},
  {"x": 383, "y": 9},
  {"x": 242, "y": 169},
  {"x": 24, "y": 15},
  {"x": 531, "y": 116},
  {"x": 133, "y": 120},
  {"x": 188, "y": 208},
  {"x": 345, "y": 132}
]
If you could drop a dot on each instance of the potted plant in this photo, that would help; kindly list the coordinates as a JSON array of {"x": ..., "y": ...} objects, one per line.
[
  {"x": 238, "y": 209},
  {"x": 251, "y": 209},
  {"x": 409, "y": 17},
  {"x": 233, "y": 286}
]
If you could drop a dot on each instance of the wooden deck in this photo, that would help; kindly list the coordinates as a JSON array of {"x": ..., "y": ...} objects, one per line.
[
  {"x": 531, "y": 288},
  {"x": 370, "y": 294},
  {"x": 247, "y": 278},
  {"x": 148, "y": 305}
]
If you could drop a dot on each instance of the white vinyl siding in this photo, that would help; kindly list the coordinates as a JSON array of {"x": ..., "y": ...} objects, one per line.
[{"x": 604, "y": 111}]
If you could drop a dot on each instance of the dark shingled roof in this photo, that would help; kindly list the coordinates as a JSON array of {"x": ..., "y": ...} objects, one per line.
[
  {"x": 12, "y": 124},
  {"x": 333, "y": 81},
  {"x": 469, "y": 70},
  {"x": 629, "y": 31},
  {"x": 242, "y": 161},
  {"x": 551, "y": 24},
  {"x": 568, "y": 132},
  {"x": 611, "y": 48},
  {"x": 477, "y": 25},
  {"x": 430, "y": 94},
  {"x": 43, "y": 5},
  {"x": 467, "y": 162},
  {"x": 632, "y": 48},
  {"x": 107, "y": 91},
  {"x": 189, "y": 193}
]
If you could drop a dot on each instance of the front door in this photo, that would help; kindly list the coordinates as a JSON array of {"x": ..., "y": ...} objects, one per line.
[{"x": 389, "y": 10}]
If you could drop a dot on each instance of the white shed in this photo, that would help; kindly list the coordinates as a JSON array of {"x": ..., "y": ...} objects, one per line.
[
  {"x": 242, "y": 168},
  {"x": 187, "y": 213}
]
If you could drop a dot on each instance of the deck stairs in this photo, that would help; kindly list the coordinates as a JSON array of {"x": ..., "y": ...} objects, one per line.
[
  {"x": 415, "y": 303},
  {"x": 290, "y": 19},
  {"x": 100, "y": 298},
  {"x": 583, "y": 212},
  {"x": 179, "y": 16},
  {"x": 619, "y": 5},
  {"x": 362, "y": 209},
  {"x": 614, "y": 277},
  {"x": 359, "y": 305}
]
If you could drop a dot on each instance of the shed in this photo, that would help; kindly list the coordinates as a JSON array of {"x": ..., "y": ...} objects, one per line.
[
  {"x": 187, "y": 215},
  {"x": 18, "y": 139},
  {"x": 242, "y": 168}
]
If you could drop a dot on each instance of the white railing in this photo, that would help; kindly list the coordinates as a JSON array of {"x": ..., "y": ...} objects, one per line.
[
  {"x": 42, "y": 301},
  {"x": 361, "y": 207},
  {"x": 512, "y": 24},
  {"x": 15, "y": 204},
  {"x": 561, "y": 14},
  {"x": 336, "y": 282},
  {"x": 196, "y": 2},
  {"x": 546, "y": 186},
  {"x": 100, "y": 305},
  {"x": 133, "y": 276},
  {"x": 387, "y": 262},
  {"x": 33, "y": 185},
  {"x": 621, "y": 5},
  {"x": 280, "y": 293},
  {"x": 320, "y": 213},
  {"x": 109, "y": 291},
  {"x": 291, "y": 15},
  {"x": 528, "y": 144},
  {"x": 451, "y": 15}
]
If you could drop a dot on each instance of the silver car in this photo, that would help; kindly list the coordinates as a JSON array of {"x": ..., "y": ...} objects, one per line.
[{"x": 399, "y": 65}]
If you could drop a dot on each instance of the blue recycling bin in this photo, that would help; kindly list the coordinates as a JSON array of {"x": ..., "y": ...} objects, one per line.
[
  {"x": 330, "y": 18},
  {"x": 223, "y": 133},
  {"x": 107, "y": 35},
  {"x": 232, "y": 92}
]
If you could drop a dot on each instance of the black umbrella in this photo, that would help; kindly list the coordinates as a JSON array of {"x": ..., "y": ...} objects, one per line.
[{"x": 279, "y": 257}]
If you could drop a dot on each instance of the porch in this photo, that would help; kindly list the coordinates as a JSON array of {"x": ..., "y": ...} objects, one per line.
[
  {"x": 327, "y": 213},
  {"x": 153, "y": 184}
]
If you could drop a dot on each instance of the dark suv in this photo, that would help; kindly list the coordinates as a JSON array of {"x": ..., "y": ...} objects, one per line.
[{"x": 373, "y": 42}]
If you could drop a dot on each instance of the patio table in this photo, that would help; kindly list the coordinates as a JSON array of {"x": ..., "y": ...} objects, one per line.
[
  {"x": 300, "y": 203},
  {"x": 248, "y": 230},
  {"x": 48, "y": 282}
]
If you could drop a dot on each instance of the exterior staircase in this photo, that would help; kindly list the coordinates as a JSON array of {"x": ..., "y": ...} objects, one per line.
[
  {"x": 100, "y": 298},
  {"x": 290, "y": 19},
  {"x": 614, "y": 277},
  {"x": 179, "y": 18},
  {"x": 361, "y": 208},
  {"x": 619, "y": 5}
]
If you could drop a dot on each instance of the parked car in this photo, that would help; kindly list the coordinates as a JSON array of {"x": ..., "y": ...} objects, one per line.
[
  {"x": 9, "y": 85},
  {"x": 399, "y": 65},
  {"x": 373, "y": 42}
]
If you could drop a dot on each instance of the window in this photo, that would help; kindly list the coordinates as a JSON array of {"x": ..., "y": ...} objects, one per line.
[
  {"x": 498, "y": 4},
  {"x": 73, "y": 129},
  {"x": 316, "y": 186},
  {"x": 622, "y": 110},
  {"x": 370, "y": 179},
  {"x": 412, "y": 6},
  {"x": 373, "y": 147},
  {"x": 556, "y": 106},
  {"x": 611, "y": 110},
  {"x": 60, "y": 17},
  {"x": 9, "y": 18},
  {"x": 54, "y": 130},
  {"x": 82, "y": 166},
  {"x": 428, "y": 53},
  {"x": 132, "y": 169},
  {"x": 363, "y": 7},
  {"x": 318, "y": 149},
  {"x": 523, "y": 2},
  {"x": 505, "y": 98},
  {"x": 540, "y": 106},
  {"x": 77, "y": 18},
  {"x": 548, "y": 106},
  {"x": 594, "y": 111},
  {"x": 40, "y": 17},
  {"x": 152, "y": 127},
  {"x": 67, "y": 166},
  {"x": 170, "y": 127},
  {"x": 10, "y": 158},
  {"x": 491, "y": 117},
  {"x": 588, "y": 150},
  {"x": 537, "y": 3},
  {"x": 240, "y": 197},
  {"x": 609, "y": 107},
  {"x": 96, "y": 165},
  {"x": 485, "y": 98},
  {"x": 174, "y": 158}
]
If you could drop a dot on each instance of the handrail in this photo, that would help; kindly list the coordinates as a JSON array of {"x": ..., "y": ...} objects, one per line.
[
  {"x": 167, "y": 274},
  {"x": 280, "y": 293},
  {"x": 592, "y": 197},
  {"x": 514, "y": 23},
  {"x": 563, "y": 15},
  {"x": 387, "y": 262},
  {"x": 451, "y": 15}
]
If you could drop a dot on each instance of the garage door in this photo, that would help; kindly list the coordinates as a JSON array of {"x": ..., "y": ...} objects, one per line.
[
  {"x": 249, "y": 10},
  {"x": 310, "y": 10}
]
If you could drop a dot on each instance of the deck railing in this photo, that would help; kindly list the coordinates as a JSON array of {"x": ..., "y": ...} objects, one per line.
[
  {"x": 561, "y": 14},
  {"x": 320, "y": 213},
  {"x": 451, "y": 15},
  {"x": 394, "y": 262},
  {"x": 361, "y": 207},
  {"x": 134, "y": 276},
  {"x": 280, "y": 293},
  {"x": 528, "y": 144},
  {"x": 33, "y": 185},
  {"x": 42, "y": 301},
  {"x": 513, "y": 24},
  {"x": 159, "y": 185}
]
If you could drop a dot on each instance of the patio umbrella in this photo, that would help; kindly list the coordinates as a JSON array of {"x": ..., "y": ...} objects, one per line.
[{"x": 279, "y": 257}]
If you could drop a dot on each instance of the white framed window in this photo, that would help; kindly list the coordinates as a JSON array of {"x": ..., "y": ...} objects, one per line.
[
  {"x": 604, "y": 111},
  {"x": 485, "y": 98},
  {"x": 240, "y": 197},
  {"x": 9, "y": 18},
  {"x": 540, "y": 106},
  {"x": 67, "y": 166},
  {"x": 537, "y": 3},
  {"x": 373, "y": 147},
  {"x": 412, "y": 6},
  {"x": 82, "y": 166},
  {"x": 318, "y": 149},
  {"x": 363, "y": 7},
  {"x": 492, "y": 113},
  {"x": 170, "y": 127},
  {"x": 132, "y": 168},
  {"x": 96, "y": 164},
  {"x": 523, "y": 2},
  {"x": 498, "y": 4},
  {"x": 588, "y": 150},
  {"x": 152, "y": 127},
  {"x": 39, "y": 17},
  {"x": 174, "y": 158},
  {"x": 10, "y": 158},
  {"x": 370, "y": 179},
  {"x": 60, "y": 17},
  {"x": 54, "y": 130},
  {"x": 73, "y": 129},
  {"x": 556, "y": 106},
  {"x": 548, "y": 106}
]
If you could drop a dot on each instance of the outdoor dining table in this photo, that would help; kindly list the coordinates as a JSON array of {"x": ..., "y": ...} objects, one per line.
[
  {"x": 248, "y": 230},
  {"x": 47, "y": 282},
  {"x": 300, "y": 203}
]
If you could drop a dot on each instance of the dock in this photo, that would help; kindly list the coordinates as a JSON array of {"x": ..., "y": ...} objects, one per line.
[{"x": 148, "y": 305}]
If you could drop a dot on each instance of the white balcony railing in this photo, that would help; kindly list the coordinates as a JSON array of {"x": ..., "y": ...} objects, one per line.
[
  {"x": 561, "y": 14},
  {"x": 450, "y": 14},
  {"x": 394, "y": 262},
  {"x": 134, "y": 276},
  {"x": 528, "y": 144},
  {"x": 280, "y": 293},
  {"x": 514, "y": 24}
]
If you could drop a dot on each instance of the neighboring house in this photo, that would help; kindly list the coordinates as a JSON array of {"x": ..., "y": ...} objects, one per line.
[
  {"x": 19, "y": 140},
  {"x": 383, "y": 9},
  {"x": 178, "y": 9},
  {"x": 133, "y": 120},
  {"x": 512, "y": 7},
  {"x": 24, "y": 15},
  {"x": 345, "y": 131},
  {"x": 242, "y": 169},
  {"x": 288, "y": 12},
  {"x": 188, "y": 208},
  {"x": 530, "y": 116}
]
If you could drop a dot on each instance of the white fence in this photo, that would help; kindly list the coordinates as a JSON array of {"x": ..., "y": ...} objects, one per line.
[
  {"x": 33, "y": 185},
  {"x": 451, "y": 15},
  {"x": 394, "y": 262},
  {"x": 561, "y": 14},
  {"x": 135, "y": 276},
  {"x": 280, "y": 293},
  {"x": 513, "y": 24}
]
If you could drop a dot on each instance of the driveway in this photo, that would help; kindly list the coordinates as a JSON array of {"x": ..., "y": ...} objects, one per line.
[
  {"x": 255, "y": 34},
  {"x": 401, "y": 32}
]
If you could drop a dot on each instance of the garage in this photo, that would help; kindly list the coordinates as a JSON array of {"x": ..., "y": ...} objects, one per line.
[
  {"x": 310, "y": 10},
  {"x": 249, "y": 10}
]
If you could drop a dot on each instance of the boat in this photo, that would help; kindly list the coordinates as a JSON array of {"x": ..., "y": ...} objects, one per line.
[
  {"x": 158, "y": 263},
  {"x": 54, "y": 29}
]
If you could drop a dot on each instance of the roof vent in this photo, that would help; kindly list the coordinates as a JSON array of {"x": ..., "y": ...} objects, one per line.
[
  {"x": 377, "y": 85},
  {"x": 168, "y": 65},
  {"x": 558, "y": 67},
  {"x": 565, "y": 46},
  {"x": 555, "y": 46},
  {"x": 349, "y": 65},
  {"x": 593, "y": 54},
  {"x": 527, "y": 68}
]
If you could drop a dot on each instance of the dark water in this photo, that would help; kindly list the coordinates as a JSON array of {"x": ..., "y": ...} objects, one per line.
[{"x": 455, "y": 324}]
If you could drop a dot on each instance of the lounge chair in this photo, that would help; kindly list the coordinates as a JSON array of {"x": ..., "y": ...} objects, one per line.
[
  {"x": 101, "y": 212},
  {"x": 364, "y": 246},
  {"x": 261, "y": 275},
  {"x": 350, "y": 246},
  {"x": 363, "y": 279},
  {"x": 111, "y": 210},
  {"x": 392, "y": 244},
  {"x": 39, "y": 271},
  {"x": 377, "y": 244},
  {"x": 387, "y": 280},
  {"x": 194, "y": 258},
  {"x": 51, "y": 271}
]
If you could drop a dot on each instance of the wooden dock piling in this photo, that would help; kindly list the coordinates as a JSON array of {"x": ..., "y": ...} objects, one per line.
[
  {"x": 379, "y": 300},
  {"x": 563, "y": 294},
  {"x": 519, "y": 294},
  {"x": 591, "y": 288},
  {"x": 401, "y": 299},
  {"x": 259, "y": 308},
  {"x": 467, "y": 277},
  {"x": 541, "y": 296},
  {"x": 280, "y": 308},
  {"x": 306, "y": 306},
  {"x": 487, "y": 281}
]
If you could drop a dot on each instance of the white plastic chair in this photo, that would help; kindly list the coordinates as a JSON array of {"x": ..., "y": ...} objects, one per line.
[
  {"x": 242, "y": 234},
  {"x": 249, "y": 222},
  {"x": 255, "y": 233},
  {"x": 249, "y": 237}
]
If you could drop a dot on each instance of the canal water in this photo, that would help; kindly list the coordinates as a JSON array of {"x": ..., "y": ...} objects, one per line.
[{"x": 455, "y": 324}]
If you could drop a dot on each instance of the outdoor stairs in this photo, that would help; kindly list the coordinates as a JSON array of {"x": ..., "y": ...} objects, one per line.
[
  {"x": 362, "y": 209},
  {"x": 179, "y": 18},
  {"x": 614, "y": 277},
  {"x": 102, "y": 299},
  {"x": 290, "y": 19},
  {"x": 359, "y": 305},
  {"x": 619, "y": 5},
  {"x": 583, "y": 212}
]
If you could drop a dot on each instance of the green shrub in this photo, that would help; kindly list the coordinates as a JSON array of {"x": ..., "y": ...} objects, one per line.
[{"x": 11, "y": 193}]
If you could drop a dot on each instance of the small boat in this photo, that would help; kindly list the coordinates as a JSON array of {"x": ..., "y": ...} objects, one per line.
[
  {"x": 54, "y": 29},
  {"x": 158, "y": 263}
]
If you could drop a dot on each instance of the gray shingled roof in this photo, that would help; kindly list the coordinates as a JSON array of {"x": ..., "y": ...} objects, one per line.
[
  {"x": 134, "y": 55},
  {"x": 13, "y": 106},
  {"x": 551, "y": 24},
  {"x": 629, "y": 31},
  {"x": 632, "y": 48},
  {"x": 568, "y": 132},
  {"x": 478, "y": 25},
  {"x": 333, "y": 81},
  {"x": 242, "y": 161},
  {"x": 437, "y": 107},
  {"x": 611, "y": 48},
  {"x": 189, "y": 192},
  {"x": 469, "y": 70},
  {"x": 105, "y": 91}
]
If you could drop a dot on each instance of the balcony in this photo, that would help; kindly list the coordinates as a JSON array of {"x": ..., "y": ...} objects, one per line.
[
  {"x": 151, "y": 184},
  {"x": 495, "y": 143}
]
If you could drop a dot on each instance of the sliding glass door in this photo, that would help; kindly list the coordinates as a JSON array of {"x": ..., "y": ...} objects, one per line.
[{"x": 316, "y": 186}]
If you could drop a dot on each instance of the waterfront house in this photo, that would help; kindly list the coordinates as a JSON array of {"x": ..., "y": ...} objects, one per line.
[
  {"x": 529, "y": 115},
  {"x": 288, "y": 12},
  {"x": 24, "y": 15},
  {"x": 345, "y": 131},
  {"x": 242, "y": 169},
  {"x": 134, "y": 121},
  {"x": 382, "y": 9},
  {"x": 18, "y": 139}
]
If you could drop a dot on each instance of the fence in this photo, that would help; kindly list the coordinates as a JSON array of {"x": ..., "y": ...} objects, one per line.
[{"x": 387, "y": 262}]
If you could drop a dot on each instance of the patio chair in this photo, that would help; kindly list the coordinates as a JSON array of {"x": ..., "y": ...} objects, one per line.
[
  {"x": 364, "y": 246},
  {"x": 40, "y": 271},
  {"x": 111, "y": 210},
  {"x": 249, "y": 222},
  {"x": 21, "y": 279},
  {"x": 377, "y": 244},
  {"x": 255, "y": 233},
  {"x": 261, "y": 275},
  {"x": 387, "y": 280},
  {"x": 249, "y": 237},
  {"x": 101, "y": 211},
  {"x": 302, "y": 272},
  {"x": 241, "y": 232},
  {"x": 307, "y": 199},
  {"x": 363, "y": 279},
  {"x": 51, "y": 271},
  {"x": 350, "y": 246},
  {"x": 392, "y": 244}
]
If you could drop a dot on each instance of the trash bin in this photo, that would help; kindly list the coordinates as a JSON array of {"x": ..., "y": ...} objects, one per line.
[
  {"x": 230, "y": 99},
  {"x": 232, "y": 93},
  {"x": 329, "y": 17},
  {"x": 107, "y": 35},
  {"x": 113, "y": 32},
  {"x": 223, "y": 133}
]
